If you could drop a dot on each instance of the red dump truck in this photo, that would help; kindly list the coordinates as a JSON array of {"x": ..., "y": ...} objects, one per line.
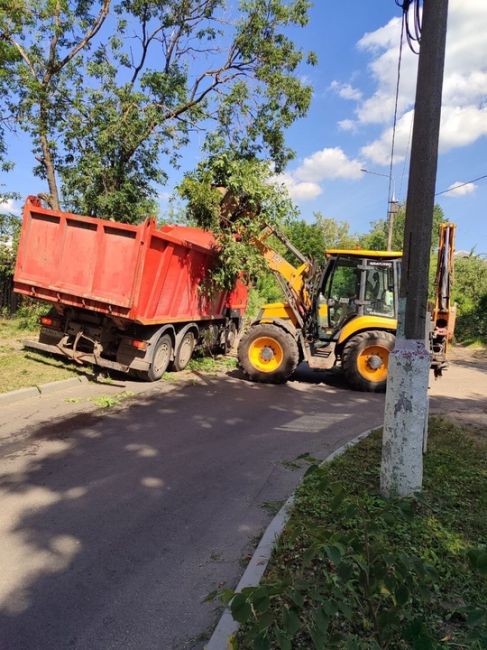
[{"x": 125, "y": 297}]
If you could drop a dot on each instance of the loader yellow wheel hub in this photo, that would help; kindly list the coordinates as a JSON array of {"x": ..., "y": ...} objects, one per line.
[
  {"x": 373, "y": 362},
  {"x": 266, "y": 354}
]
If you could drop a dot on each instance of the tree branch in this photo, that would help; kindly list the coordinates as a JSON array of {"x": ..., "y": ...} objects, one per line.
[
  {"x": 86, "y": 38},
  {"x": 24, "y": 56}
]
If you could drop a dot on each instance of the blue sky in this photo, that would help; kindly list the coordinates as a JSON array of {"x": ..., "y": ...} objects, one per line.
[{"x": 349, "y": 124}]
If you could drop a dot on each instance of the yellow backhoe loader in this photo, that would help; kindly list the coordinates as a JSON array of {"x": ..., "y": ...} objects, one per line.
[{"x": 344, "y": 314}]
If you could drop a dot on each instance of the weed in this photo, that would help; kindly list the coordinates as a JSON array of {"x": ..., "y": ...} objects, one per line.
[
  {"x": 216, "y": 557},
  {"x": 272, "y": 506},
  {"x": 299, "y": 461},
  {"x": 354, "y": 570},
  {"x": 212, "y": 364},
  {"x": 108, "y": 401}
]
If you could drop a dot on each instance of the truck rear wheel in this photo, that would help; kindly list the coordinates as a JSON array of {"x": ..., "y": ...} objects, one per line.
[
  {"x": 160, "y": 358},
  {"x": 268, "y": 354},
  {"x": 184, "y": 352},
  {"x": 365, "y": 360}
]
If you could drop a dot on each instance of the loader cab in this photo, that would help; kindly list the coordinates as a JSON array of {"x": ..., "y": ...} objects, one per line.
[{"x": 353, "y": 284}]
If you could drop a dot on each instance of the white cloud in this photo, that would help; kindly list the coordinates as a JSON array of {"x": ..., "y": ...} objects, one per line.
[
  {"x": 9, "y": 206},
  {"x": 464, "y": 111},
  {"x": 345, "y": 91},
  {"x": 330, "y": 162},
  {"x": 379, "y": 151},
  {"x": 462, "y": 125},
  {"x": 460, "y": 189},
  {"x": 303, "y": 184},
  {"x": 298, "y": 190},
  {"x": 347, "y": 125}
]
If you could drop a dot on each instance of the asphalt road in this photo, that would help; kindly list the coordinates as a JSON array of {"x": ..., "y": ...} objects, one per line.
[{"x": 115, "y": 527}]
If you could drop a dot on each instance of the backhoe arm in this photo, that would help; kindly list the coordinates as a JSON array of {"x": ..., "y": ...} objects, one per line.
[{"x": 293, "y": 280}]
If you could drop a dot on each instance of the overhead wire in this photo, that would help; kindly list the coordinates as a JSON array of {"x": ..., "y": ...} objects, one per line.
[
  {"x": 413, "y": 36},
  {"x": 394, "y": 123},
  {"x": 455, "y": 187}
]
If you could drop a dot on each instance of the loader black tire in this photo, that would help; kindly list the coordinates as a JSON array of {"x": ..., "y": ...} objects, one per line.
[
  {"x": 365, "y": 360},
  {"x": 268, "y": 354}
]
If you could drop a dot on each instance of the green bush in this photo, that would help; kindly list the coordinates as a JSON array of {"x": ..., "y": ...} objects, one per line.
[{"x": 470, "y": 294}]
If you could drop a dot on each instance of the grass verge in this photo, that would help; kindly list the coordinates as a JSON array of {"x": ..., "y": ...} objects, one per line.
[
  {"x": 21, "y": 368},
  {"x": 355, "y": 571}
]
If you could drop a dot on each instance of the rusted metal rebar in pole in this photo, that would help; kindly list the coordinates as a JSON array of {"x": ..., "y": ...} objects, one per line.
[{"x": 406, "y": 406}]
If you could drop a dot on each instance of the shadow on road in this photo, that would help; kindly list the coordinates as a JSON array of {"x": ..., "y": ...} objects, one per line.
[{"x": 116, "y": 526}]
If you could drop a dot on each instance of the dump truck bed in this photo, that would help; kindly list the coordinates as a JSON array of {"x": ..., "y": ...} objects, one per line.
[{"x": 141, "y": 273}]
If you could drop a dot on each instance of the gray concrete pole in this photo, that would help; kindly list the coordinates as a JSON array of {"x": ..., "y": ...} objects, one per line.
[{"x": 406, "y": 406}]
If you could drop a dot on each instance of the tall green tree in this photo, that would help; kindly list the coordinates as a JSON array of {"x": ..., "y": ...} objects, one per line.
[
  {"x": 235, "y": 197},
  {"x": 312, "y": 239},
  {"x": 41, "y": 54},
  {"x": 110, "y": 103},
  {"x": 470, "y": 294},
  {"x": 376, "y": 239}
]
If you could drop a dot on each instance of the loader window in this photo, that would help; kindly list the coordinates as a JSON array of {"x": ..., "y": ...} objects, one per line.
[
  {"x": 379, "y": 291},
  {"x": 343, "y": 291}
]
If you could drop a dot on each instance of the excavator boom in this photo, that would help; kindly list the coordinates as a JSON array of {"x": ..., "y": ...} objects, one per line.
[{"x": 292, "y": 279}]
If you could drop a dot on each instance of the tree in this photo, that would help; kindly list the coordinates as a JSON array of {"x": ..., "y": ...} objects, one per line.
[
  {"x": 41, "y": 42},
  {"x": 336, "y": 234},
  {"x": 312, "y": 239},
  {"x": 376, "y": 239},
  {"x": 308, "y": 239},
  {"x": 470, "y": 294},
  {"x": 165, "y": 70},
  {"x": 236, "y": 199}
]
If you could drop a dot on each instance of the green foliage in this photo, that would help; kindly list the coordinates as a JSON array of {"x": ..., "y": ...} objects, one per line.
[
  {"x": 202, "y": 363},
  {"x": 336, "y": 234},
  {"x": 376, "y": 239},
  {"x": 106, "y": 101},
  {"x": 9, "y": 237},
  {"x": 470, "y": 294},
  {"x": 252, "y": 201},
  {"x": 308, "y": 238},
  {"x": 40, "y": 61},
  {"x": 353, "y": 570},
  {"x": 108, "y": 401},
  {"x": 28, "y": 314}
]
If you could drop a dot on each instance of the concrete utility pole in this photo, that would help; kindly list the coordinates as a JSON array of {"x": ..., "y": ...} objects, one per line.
[
  {"x": 392, "y": 210},
  {"x": 392, "y": 206},
  {"x": 406, "y": 407}
]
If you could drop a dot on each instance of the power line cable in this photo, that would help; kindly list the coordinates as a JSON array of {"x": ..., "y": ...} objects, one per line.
[
  {"x": 455, "y": 187},
  {"x": 394, "y": 124}
]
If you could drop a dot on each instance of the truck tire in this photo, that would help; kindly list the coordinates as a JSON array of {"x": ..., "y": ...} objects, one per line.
[
  {"x": 268, "y": 354},
  {"x": 184, "y": 352},
  {"x": 160, "y": 359},
  {"x": 365, "y": 360},
  {"x": 229, "y": 338}
]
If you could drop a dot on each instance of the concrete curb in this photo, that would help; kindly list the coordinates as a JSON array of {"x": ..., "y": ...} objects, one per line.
[
  {"x": 40, "y": 389},
  {"x": 18, "y": 395},
  {"x": 53, "y": 386},
  {"x": 226, "y": 628}
]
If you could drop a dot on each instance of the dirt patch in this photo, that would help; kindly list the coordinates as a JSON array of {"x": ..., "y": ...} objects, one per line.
[{"x": 477, "y": 356}]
